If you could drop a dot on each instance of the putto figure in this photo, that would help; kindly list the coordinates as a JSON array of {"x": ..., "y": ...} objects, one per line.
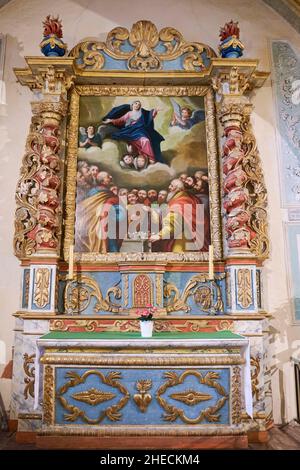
[
  {"x": 184, "y": 117},
  {"x": 135, "y": 126},
  {"x": 88, "y": 138}
]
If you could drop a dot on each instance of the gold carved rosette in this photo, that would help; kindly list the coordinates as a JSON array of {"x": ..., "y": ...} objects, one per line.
[
  {"x": 38, "y": 193},
  {"x": 244, "y": 191}
]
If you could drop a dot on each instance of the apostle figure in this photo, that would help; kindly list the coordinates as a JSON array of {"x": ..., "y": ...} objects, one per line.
[
  {"x": 98, "y": 216},
  {"x": 183, "y": 226},
  {"x": 135, "y": 125}
]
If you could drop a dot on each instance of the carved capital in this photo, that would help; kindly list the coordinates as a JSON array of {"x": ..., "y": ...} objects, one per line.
[
  {"x": 51, "y": 76},
  {"x": 236, "y": 77},
  {"x": 232, "y": 110},
  {"x": 51, "y": 111}
]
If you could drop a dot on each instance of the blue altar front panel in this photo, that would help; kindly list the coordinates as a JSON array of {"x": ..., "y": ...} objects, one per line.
[{"x": 130, "y": 413}]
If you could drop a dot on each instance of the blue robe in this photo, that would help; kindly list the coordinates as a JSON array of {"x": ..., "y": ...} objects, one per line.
[{"x": 144, "y": 127}]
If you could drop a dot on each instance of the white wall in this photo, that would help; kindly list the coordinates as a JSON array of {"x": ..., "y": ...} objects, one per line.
[{"x": 197, "y": 20}]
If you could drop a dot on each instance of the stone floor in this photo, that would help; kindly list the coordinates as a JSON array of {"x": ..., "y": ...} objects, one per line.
[{"x": 285, "y": 437}]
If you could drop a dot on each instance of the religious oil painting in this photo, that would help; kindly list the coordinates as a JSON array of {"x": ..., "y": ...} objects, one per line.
[{"x": 142, "y": 178}]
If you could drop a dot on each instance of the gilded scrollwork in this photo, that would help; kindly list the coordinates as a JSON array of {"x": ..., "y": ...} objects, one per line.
[
  {"x": 207, "y": 294},
  {"x": 251, "y": 165},
  {"x": 79, "y": 293},
  {"x": 133, "y": 325},
  {"x": 143, "y": 54},
  {"x": 209, "y": 414},
  {"x": 143, "y": 398},
  {"x": 29, "y": 370},
  {"x": 41, "y": 287},
  {"x": 112, "y": 412}
]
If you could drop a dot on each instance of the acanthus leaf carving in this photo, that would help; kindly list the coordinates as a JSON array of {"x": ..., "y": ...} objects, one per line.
[
  {"x": 79, "y": 293},
  {"x": 207, "y": 294}
]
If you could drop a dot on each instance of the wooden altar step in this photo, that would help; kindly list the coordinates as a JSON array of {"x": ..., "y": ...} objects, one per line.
[{"x": 143, "y": 443}]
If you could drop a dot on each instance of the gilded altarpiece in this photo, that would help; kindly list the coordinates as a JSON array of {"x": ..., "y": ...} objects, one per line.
[{"x": 122, "y": 130}]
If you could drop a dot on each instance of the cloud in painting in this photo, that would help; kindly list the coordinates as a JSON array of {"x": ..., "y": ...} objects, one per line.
[
  {"x": 107, "y": 159},
  {"x": 189, "y": 148},
  {"x": 183, "y": 150}
]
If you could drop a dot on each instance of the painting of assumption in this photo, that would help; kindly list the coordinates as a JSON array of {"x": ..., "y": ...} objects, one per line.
[{"x": 142, "y": 179}]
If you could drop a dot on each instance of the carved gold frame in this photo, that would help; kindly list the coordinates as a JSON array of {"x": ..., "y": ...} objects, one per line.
[{"x": 212, "y": 158}]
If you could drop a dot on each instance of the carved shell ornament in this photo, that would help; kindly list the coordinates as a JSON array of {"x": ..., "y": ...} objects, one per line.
[{"x": 148, "y": 49}]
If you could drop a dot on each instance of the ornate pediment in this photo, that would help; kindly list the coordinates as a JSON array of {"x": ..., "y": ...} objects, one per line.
[{"x": 142, "y": 48}]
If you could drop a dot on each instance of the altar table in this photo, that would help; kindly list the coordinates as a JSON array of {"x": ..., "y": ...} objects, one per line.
[{"x": 118, "y": 390}]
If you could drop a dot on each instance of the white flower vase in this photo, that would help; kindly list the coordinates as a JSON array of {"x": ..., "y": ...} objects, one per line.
[{"x": 146, "y": 328}]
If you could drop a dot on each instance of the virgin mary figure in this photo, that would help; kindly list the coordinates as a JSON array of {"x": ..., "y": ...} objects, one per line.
[{"x": 135, "y": 125}]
